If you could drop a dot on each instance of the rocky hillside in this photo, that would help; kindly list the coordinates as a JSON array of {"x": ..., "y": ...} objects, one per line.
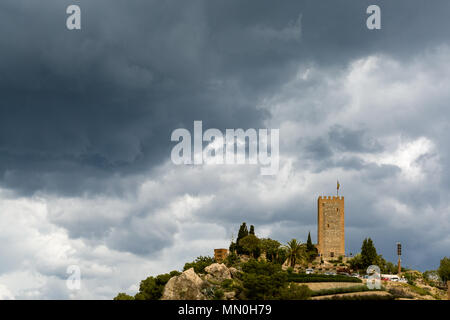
[
  {"x": 262, "y": 280},
  {"x": 192, "y": 286}
]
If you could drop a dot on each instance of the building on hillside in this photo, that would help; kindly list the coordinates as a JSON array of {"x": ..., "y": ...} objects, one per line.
[{"x": 220, "y": 254}]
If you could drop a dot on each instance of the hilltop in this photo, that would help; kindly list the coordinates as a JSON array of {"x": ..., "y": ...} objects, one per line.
[{"x": 261, "y": 269}]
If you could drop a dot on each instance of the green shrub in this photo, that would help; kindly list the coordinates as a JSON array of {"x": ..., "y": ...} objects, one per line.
[
  {"x": 262, "y": 280},
  {"x": 199, "y": 264},
  {"x": 295, "y": 292},
  {"x": 218, "y": 294},
  {"x": 410, "y": 278},
  {"x": 444, "y": 269},
  {"x": 260, "y": 267},
  {"x": 123, "y": 296},
  {"x": 227, "y": 284},
  {"x": 152, "y": 287},
  {"x": 231, "y": 260},
  {"x": 321, "y": 278},
  {"x": 263, "y": 287},
  {"x": 325, "y": 292},
  {"x": 421, "y": 291}
]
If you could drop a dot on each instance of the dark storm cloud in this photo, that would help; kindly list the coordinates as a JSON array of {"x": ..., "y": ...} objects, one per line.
[
  {"x": 318, "y": 149},
  {"x": 86, "y": 117},
  {"x": 352, "y": 140},
  {"x": 78, "y": 107},
  {"x": 375, "y": 172}
]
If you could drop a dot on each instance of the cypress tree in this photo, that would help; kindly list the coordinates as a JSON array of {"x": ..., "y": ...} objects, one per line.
[
  {"x": 309, "y": 245},
  {"x": 311, "y": 250},
  {"x": 243, "y": 232},
  {"x": 368, "y": 253}
]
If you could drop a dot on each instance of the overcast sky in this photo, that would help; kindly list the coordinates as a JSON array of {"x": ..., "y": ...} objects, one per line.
[{"x": 85, "y": 121}]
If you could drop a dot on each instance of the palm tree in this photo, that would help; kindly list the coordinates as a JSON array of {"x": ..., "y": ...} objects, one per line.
[{"x": 294, "y": 251}]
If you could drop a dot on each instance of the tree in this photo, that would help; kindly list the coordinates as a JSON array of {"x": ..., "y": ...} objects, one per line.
[
  {"x": 280, "y": 256},
  {"x": 251, "y": 244},
  {"x": 294, "y": 251},
  {"x": 231, "y": 259},
  {"x": 309, "y": 244},
  {"x": 252, "y": 230},
  {"x": 431, "y": 276},
  {"x": 270, "y": 247},
  {"x": 295, "y": 292},
  {"x": 152, "y": 288},
  {"x": 243, "y": 232},
  {"x": 123, "y": 296},
  {"x": 369, "y": 254},
  {"x": 444, "y": 269},
  {"x": 232, "y": 247},
  {"x": 262, "y": 280},
  {"x": 385, "y": 266},
  {"x": 356, "y": 262},
  {"x": 199, "y": 264},
  {"x": 311, "y": 250}
]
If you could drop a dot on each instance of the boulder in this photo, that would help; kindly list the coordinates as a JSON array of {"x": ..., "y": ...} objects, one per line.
[
  {"x": 229, "y": 295},
  {"x": 186, "y": 286},
  {"x": 218, "y": 271},
  {"x": 244, "y": 258},
  {"x": 233, "y": 271}
]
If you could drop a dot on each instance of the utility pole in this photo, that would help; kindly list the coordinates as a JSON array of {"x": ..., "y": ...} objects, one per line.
[{"x": 399, "y": 253}]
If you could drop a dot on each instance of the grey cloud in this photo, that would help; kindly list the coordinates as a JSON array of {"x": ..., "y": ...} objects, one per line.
[
  {"x": 87, "y": 116},
  {"x": 82, "y": 106},
  {"x": 373, "y": 172},
  {"x": 345, "y": 139}
]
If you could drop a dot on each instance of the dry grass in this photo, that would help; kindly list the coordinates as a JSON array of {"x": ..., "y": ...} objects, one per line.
[
  {"x": 418, "y": 292},
  {"x": 316, "y": 286},
  {"x": 353, "y": 294}
]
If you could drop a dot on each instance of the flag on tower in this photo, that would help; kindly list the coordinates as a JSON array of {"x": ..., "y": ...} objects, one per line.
[{"x": 338, "y": 185}]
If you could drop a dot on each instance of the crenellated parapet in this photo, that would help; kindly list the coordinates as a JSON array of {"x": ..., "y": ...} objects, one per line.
[{"x": 340, "y": 198}]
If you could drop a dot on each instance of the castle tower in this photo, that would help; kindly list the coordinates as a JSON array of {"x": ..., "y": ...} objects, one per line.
[{"x": 330, "y": 227}]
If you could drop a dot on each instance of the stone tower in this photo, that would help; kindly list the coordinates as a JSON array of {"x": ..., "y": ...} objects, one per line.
[{"x": 330, "y": 227}]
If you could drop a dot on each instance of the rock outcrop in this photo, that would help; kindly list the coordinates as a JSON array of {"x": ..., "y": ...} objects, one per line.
[
  {"x": 186, "y": 286},
  {"x": 234, "y": 272},
  {"x": 218, "y": 271},
  {"x": 230, "y": 295}
]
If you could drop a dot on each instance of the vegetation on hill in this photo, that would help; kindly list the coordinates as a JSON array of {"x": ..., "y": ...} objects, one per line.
[
  {"x": 302, "y": 278},
  {"x": 199, "y": 264},
  {"x": 368, "y": 257},
  {"x": 323, "y": 292},
  {"x": 150, "y": 288},
  {"x": 263, "y": 269}
]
